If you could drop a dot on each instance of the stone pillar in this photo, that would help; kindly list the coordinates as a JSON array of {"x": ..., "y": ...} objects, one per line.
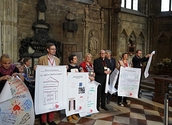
[{"x": 8, "y": 27}]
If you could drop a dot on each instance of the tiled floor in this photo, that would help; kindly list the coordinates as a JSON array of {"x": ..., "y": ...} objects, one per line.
[{"x": 132, "y": 114}]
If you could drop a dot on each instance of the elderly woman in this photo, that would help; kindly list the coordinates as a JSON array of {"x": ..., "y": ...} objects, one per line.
[
  {"x": 87, "y": 66},
  {"x": 7, "y": 70}
]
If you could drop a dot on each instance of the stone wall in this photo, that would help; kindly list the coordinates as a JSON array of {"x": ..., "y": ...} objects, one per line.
[
  {"x": 8, "y": 28},
  {"x": 17, "y": 17},
  {"x": 56, "y": 15},
  {"x": 132, "y": 25}
]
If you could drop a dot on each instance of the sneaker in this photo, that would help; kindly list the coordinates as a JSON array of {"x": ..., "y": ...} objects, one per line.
[
  {"x": 52, "y": 123},
  {"x": 120, "y": 104},
  {"x": 43, "y": 123},
  {"x": 69, "y": 118},
  {"x": 74, "y": 117}
]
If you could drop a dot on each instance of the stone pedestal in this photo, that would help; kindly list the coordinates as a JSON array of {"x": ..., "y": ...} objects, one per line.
[{"x": 161, "y": 87}]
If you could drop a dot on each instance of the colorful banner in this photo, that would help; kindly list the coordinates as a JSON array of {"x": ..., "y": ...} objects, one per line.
[
  {"x": 19, "y": 109},
  {"x": 129, "y": 80}
]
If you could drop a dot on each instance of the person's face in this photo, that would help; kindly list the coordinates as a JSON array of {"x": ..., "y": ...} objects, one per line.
[
  {"x": 102, "y": 54},
  {"x": 139, "y": 53},
  {"x": 108, "y": 55},
  {"x": 28, "y": 63},
  {"x": 125, "y": 56},
  {"x": 21, "y": 68},
  {"x": 75, "y": 60},
  {"x": 6, "y": 64},
  {"x": 88, "y": 58},
  {"x": 52, "y": 50}
]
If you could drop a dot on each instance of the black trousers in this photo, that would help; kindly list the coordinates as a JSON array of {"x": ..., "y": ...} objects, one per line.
[
  {"x": 120, "y": 99},
  {"x": 101, "y": 96}
]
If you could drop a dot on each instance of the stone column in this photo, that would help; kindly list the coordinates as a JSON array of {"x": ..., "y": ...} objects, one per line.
[{"x": 8, "y": 21}]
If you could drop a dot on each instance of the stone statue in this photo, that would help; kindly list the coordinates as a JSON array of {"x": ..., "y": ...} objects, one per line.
[
  {"x": 131, "y": 40},
  {"x": 93, "y": 42}
]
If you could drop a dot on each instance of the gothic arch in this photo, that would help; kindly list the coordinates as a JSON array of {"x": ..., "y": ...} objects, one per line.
[
  {"x": 141, "y": 43},
  {"x": 162, "y": 52},
  {"x": 122, "y": 44}
]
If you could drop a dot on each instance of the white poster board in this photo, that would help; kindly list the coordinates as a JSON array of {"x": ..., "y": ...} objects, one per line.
[
  {"x": 146, "y": 73},
  {"x": 55, "y": 89},
  {"x": 91, "y": 99},
  {"x": 113, "y": 80},
  {"x": 77, "y": 93},
  {"x": 19, "y": 109},
  {"x": 49, "y": 88},
  {"x": 129, "y": 80}
]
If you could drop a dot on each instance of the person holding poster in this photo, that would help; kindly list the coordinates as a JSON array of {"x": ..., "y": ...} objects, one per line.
[
  {"x": 73, "y": 67},
  {"x": 113, "y": 66},
  {"x": 49, "y": 60},
  {"x": 101, "y": 69},
  {"x": 87, "y": 66},
  {"x": 124, "y": 63},
  {"x": 7, "y": 70},
  {"x": 137, "y": 63}
]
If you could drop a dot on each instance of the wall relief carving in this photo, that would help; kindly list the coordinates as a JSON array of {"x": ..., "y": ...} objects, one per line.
[
  {"x": 93, "y": 29},
  {"x": 93, "y": 42}
]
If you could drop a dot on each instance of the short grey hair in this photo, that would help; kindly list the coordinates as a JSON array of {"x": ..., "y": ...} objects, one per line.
[{"x": 108, "y": 51}]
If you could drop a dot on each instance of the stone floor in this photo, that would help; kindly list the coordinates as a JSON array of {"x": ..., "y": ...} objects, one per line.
[{"x": 141, "y": 111}]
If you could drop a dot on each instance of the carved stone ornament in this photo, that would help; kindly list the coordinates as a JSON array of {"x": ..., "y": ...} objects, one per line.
[
  {"x": 40, "y": 39},
  {"x": 94, "y": 28},
  {"x": 41, "y": 6}
]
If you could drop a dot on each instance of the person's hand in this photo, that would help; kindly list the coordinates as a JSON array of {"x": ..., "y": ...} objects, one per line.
[
  {"x": 35, "y": 67},
  {"x": 148, "y": 55},
  {"x": 6, "y": 77},
  {"x": 107, "y": 71},
  {"x": 15, "y": 74}
]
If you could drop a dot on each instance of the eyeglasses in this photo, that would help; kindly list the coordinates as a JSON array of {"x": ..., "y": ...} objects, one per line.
[{"x": 53, "y": 49}]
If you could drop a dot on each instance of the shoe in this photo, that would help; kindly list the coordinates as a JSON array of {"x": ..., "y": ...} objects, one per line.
[
  {"x": 43, "y": 123},
  {"x": 120, "y": 104},
  {"x": 52, "y": 123},
  {"x": 69, "y": 118},
  {"x": 88, "y": 115},
  {"x": 126, "y": 103},
  {"x": 74, "y": 117},
  {"x": 105, "y": 108}
]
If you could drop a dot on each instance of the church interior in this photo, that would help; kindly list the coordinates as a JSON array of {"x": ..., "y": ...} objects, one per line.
[{"x": 88, "y": 26}]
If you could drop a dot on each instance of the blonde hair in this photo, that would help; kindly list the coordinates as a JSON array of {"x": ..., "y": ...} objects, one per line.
[
  {"x": 88, "y": 54},
  {"x": 4, "y": 58}
]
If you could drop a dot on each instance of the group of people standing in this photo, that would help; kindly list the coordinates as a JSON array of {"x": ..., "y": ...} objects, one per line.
[{"x": 103, "y": 65}]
